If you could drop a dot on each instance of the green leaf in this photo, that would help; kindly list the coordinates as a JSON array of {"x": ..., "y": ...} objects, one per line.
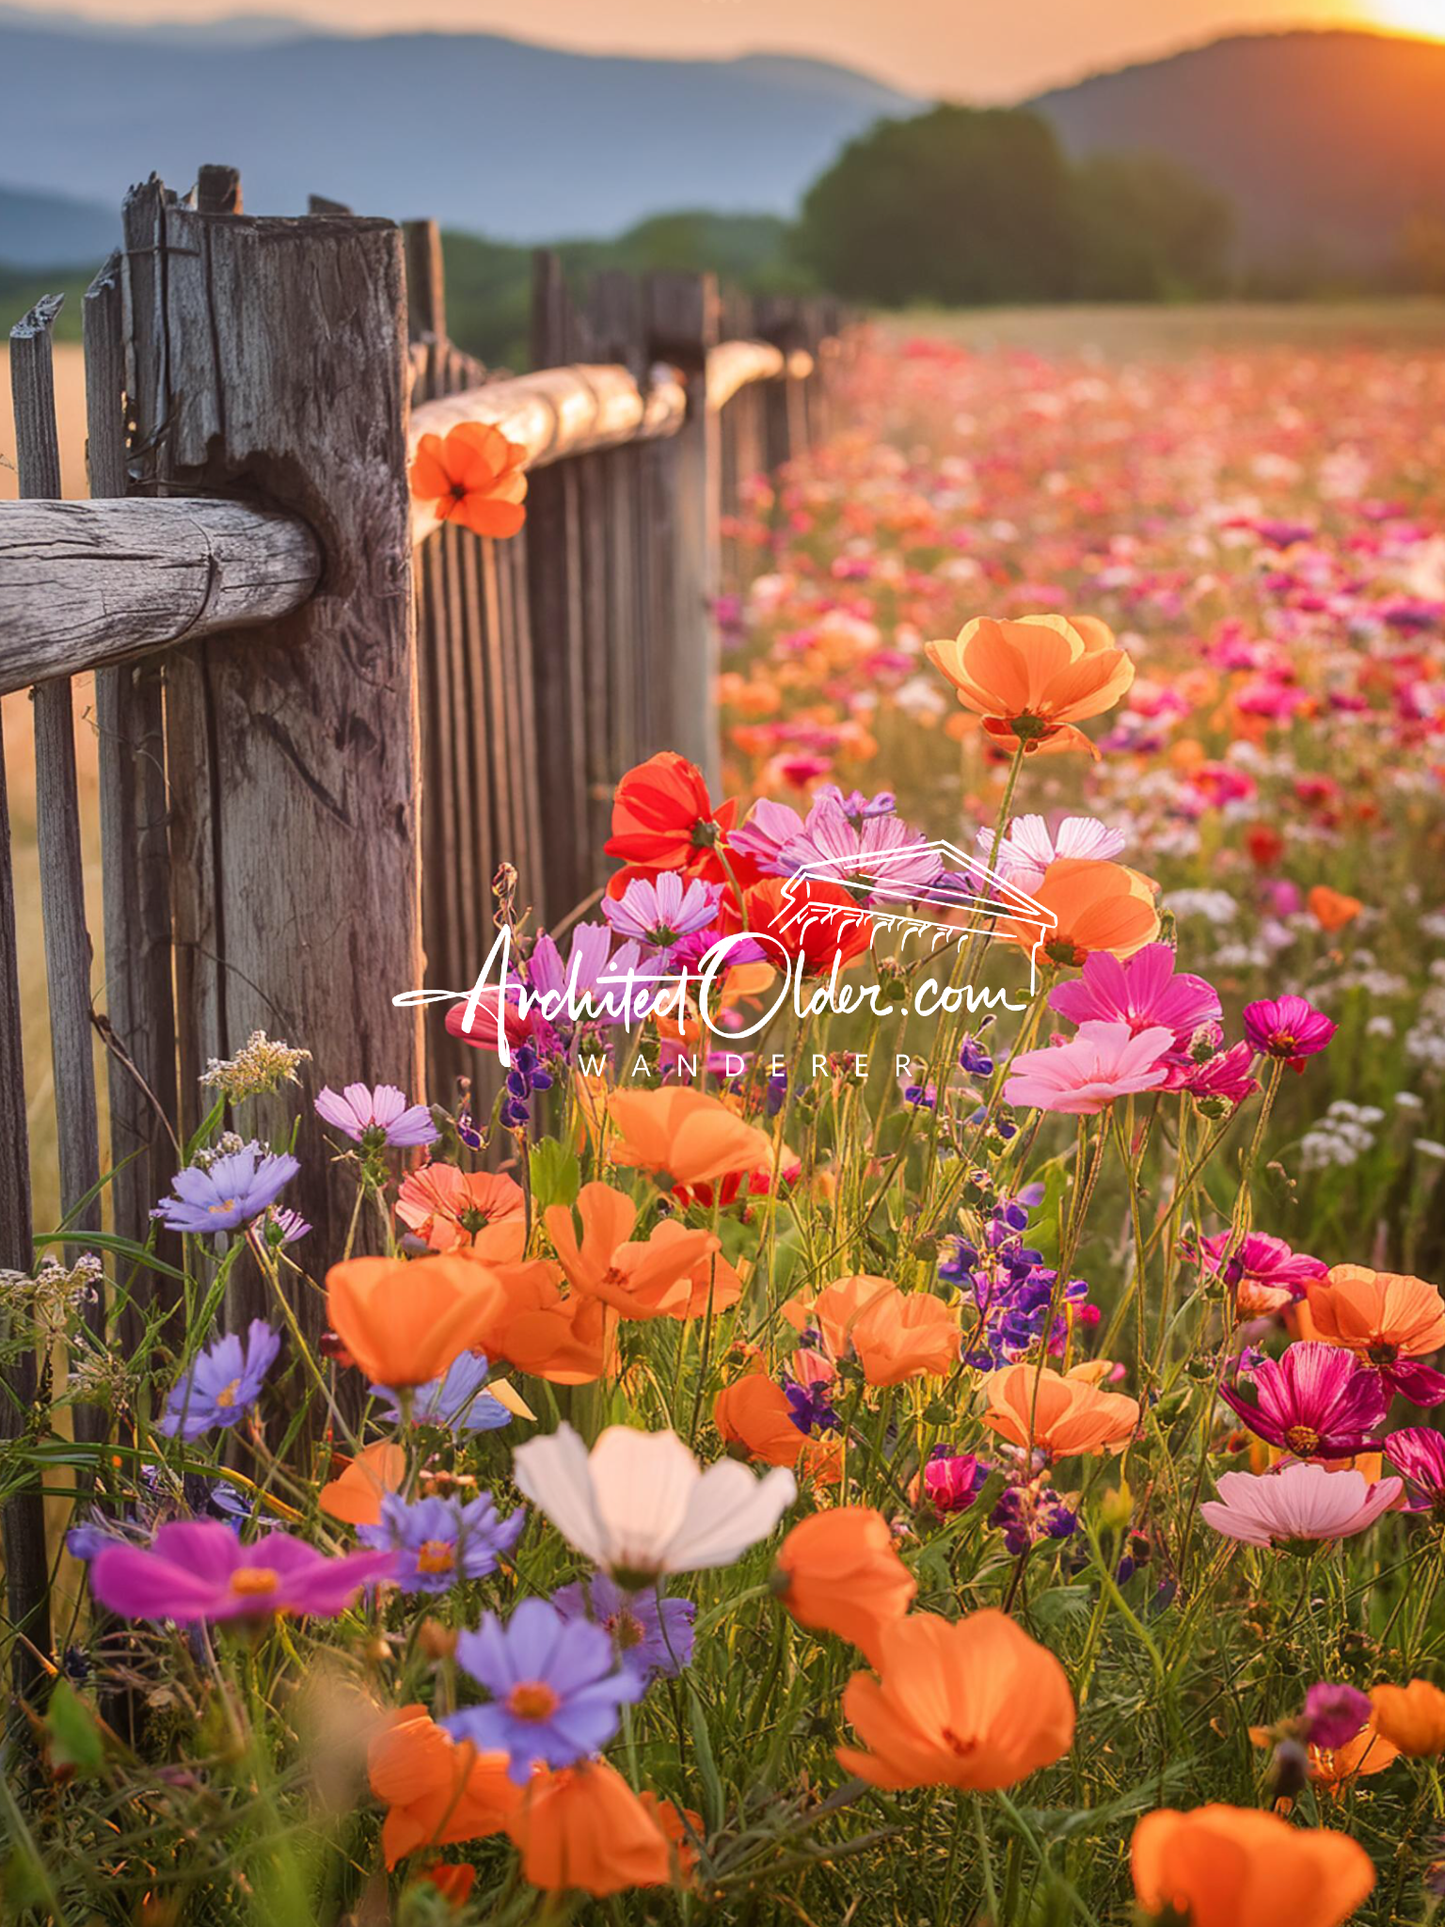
[
  {"x": 556, "y": 1174},
  {"x": 73, "y": 1741}
]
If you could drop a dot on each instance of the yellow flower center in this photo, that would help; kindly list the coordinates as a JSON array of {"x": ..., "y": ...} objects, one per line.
[
  {"x": 436, "y": 1555},
  {"x": 226, "y": 1204},
  {"x": 626, "y": 1629},
  {"x": 255, "y": 1580},
  {"x": 532, "y": 1699},
  {"x": 1302, "y": 1438},
  {"x": 226, "y": 1399}
]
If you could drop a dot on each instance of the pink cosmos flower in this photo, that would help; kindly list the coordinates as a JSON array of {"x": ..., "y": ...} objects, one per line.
[
  {"x": 198, "y": 1570},
  {"x": 1266, "y": 1273},
  {"x": 1418, "y": 1451},
  {"x": 1140, "y": 993},
  {"x": 1297, "y": 1502},
  {"x": 658, "y": 912},
  {"x": 1031, "y": 846},
  {"x": 1317, "y": 1401},
  {"x": 1288, "y": 1027},
  {"x": 1104, "y": 1061},
  {"x": 359, "y": 1110},
  {"x": 1224, "y": 1078},
  {"x": 1333, "y": 1714}
]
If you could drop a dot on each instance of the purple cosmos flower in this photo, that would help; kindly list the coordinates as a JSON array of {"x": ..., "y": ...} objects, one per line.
[
  {"x": 198, "y": 1570},
  {"x": 1317, "y": 1402},
  {"x": 1140, "y": 993},
  {"x": 660, "y": 912},
  {"x": 762, "y": 836},
  {"x": 458, "y": 1401},
  {"x": 377, "y": 1117},
  {"x": 1288, "y": 1027},
  {"x": 229, "y": 1192},
  {"x": 1333, "y": 1714},
  {"x": 881, "y": 852},
  {"x": 439, "y": 1541},
  {"x": 284, "y": 1227},
  {"x": 555, "y": 1685},
  {"x": 223, "y": 1383},
  {"x": 651, "y": 1634},
  {"x": 566, "y": 986},
  {"x": 1418, "y": 1452}
]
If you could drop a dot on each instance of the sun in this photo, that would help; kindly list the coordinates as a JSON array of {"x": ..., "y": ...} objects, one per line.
[{"x": 1411, "y": 16}]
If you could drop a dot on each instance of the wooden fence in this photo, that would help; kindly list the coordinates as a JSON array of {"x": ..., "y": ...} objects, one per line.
[{"x": 322, "y": 723}]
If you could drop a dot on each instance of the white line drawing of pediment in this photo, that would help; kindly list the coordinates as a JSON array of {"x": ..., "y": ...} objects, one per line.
[{"x": 981, "y": 913}]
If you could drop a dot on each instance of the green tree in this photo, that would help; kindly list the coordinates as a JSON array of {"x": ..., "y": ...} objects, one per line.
[
  {"x": 960, "y": 206},
  {"x": 1149, "y": 230}
]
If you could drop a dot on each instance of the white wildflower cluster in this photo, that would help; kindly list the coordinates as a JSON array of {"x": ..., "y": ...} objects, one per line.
[
  {"x": 1341, "y": 1137},
  {"x": 225, "y": 1146},
  {"x": 1215, "y": 906},
  {"x": 1425, "y": 1039},
  {"x": 54, "y": 1291},
  {"x": 260, "y": 1067}
]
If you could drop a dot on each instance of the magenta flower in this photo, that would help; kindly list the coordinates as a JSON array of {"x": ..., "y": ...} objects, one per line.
[
  {"x": 1288, "y": 1027},
  {"x": 1140, "y": 993},
  {"x": 1333, "y": 1714},
  {"x": 1419, "y": 1453},
  {"x": 377, "y": 1117},
  {"x": 1268, "y": 1272},
  {"x": 1317, "y": 1402},
  {"x": 1223, "y": 1078},
  {"x": 1102, "y": 1062},
  {"x": 1296, "y": 1503},
  {"x": 198, "y": 1570}
]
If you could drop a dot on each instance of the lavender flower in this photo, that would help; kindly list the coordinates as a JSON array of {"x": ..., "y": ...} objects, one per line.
[
  {"x": 1011, "y": 1288},
  {"x": 555, "y": 1685},
  {"x": 660, "y": 912},
  {"x": 377, "y": 1118},
  {"x": 439, "y": 1541},
  {"x": 229, "y": 1192},
  {"x": 457, "y": 1402},
  {"x": 651, "y": 1634},
  {"x": 222, "y": 1384}
]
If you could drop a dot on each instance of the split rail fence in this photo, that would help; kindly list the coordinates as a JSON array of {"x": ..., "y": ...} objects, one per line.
[{"x": 322, "y": 722}]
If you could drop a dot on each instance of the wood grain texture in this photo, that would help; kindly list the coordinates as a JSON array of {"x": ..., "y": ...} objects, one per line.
[
  {"x": 269, "y": 361},
  {"x": 87, "y": 584},
  {"x": 732, "y": 365},
  {"x": 135, "y": 858}
]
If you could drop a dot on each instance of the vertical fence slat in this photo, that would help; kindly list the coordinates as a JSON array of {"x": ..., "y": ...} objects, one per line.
[{"x": 135, "y": 853}]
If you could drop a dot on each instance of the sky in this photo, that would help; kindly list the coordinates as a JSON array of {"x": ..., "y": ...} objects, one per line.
[{"x": 965, "y": 49}]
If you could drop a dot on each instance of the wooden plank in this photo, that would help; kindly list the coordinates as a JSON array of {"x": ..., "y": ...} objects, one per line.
[
  {"x": 135, "y": 858},
  {"x": 275, "y": 362},
  {"x": 682, "y": 316},
  {"x": 426, "y": 294},
  {"x": 732, "y": 365},
  {"x": 27, "y": 1574},
  {"x": 87, "y": 584}
]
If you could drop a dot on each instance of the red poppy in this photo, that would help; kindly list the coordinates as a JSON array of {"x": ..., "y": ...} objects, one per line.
[
  {"x": 816, "y": 920},
  {"x": 664, "y": 819}
]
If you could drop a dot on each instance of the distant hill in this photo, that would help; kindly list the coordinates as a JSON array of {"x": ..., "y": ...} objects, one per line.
[
  {"x": 1326, "y": 142},
  {"x": 52, "y": 230},
  {"x": 485, "y": 134}
]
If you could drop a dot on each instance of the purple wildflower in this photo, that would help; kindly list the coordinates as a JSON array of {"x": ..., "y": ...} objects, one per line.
[
  {"x": 228, "y": 1192},
  {"x": 438, "y": 1541},
  {"x": 457, "y": 1402},
  {"x": 377, "y": 1117},
  {"x": 1027, "y": 1514},
  {"x": 222, "y": 1384},
  {"x": 555, "y": 1685},
  {"x": 525, "y": 1077},
  {"x": 660, "y": 912},
  {"x": 1333, "y": 1714},
  {"x": 651, "y": 1634},
  {"x": 812, "y": 1405},
  {"x": 198, "y": 1570}
]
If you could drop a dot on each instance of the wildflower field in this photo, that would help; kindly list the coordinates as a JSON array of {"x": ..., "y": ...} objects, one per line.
[{"x": 915, "y": 1402}]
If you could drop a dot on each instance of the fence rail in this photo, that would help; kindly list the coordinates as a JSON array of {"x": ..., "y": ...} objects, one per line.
[{"x": 325, "y": 721}]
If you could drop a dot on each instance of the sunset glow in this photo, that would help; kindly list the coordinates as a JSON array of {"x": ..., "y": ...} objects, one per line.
[{"x": 1412, "y": 16}]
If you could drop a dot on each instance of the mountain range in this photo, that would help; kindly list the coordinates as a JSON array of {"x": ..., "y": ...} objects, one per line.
[{"x": 1326, "y": 142}]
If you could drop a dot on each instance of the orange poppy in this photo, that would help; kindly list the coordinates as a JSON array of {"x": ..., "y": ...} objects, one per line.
[
  {"x": 1057, "y": 1414},
  {"x": 1411, "y": 1718},
  {"x": 638, "y": 1279},
  {"x": 680, "y": 1827},
  {"x": 404, "y": 1320},
  {"x": 1335, "y": 1768},
  {"x": 453, "y": 1881},
  {"x": 565, "y": 1339},
  {"x": 439, "y": 1790},
  {"x": 688, "y": 1133},
  {"x": 1332, "y": 909},
  {"x": 712, "y": 1284},
  {"x": 1381, "y": 1315},
  {"x": 835, "y": 1310},
  {"x": 447, "y": 1207},
  {"x": 753, "y": 1415},
  {"x": 1033, "y": 679},
  {"x": 473, "y": 476},
  {"x": 584, "y": 1827},
  {"x": 355, "y": 1495},
  {"x": 1222, "y": 1866},
  {"x": 1097, "y": 905},
  {"x": 974, "y": 1703},
  {"x": 838, "y": 1573},
  {"x": 900, "y": 1335}
]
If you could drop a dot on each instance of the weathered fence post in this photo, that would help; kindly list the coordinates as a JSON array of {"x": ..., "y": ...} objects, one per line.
[
  {"x": 682, "y": 320},
  {"x": 268, "y": 361}
]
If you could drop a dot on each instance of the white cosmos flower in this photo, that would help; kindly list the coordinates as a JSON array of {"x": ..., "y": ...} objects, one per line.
[
  {"x": 1030, "y": 846},
  {"x": 640, "y": 1505}
]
